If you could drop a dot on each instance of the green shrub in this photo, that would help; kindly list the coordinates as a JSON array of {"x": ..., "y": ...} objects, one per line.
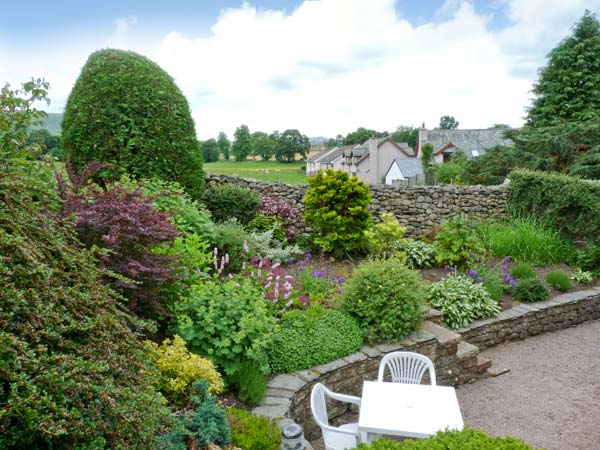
[
  {"x": 460, "y": 300},
  {"x": 419, "y": 254},
  {"x": 266, "y": 247},
  {"x": 466, "y": 439},
  {"x": 568, "y": 203},
  {"x": 127, "y": 111},
  {"x": 387, "y": 237},
  {"x": 204, "y": 424},
  {"x": 251, "y": 382},
  {"x": 522, "y": 271},
  {"x": 456, "y": 241},
  {"x": 251, "y": 432},
  {"x": 232, "y": 239},
  {"x": 231, "y": 201},
  {"x": 589, "y": 259},
  {"x": 226, "y": 322},
  {"x": 386, "y": 298},
  {"x": 530, "y": 290},
  {"x": 526, "y": 239},
  {"x": 178, "y": 369},
  {"x": 309, "y": 338},
  {"x": 71, "y": 368},
  {"x": 336, "y": 208},
  {"x": 559, "y": 281}
]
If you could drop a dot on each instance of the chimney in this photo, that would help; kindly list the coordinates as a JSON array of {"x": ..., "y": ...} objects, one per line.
[
  {"x": 373, "y": 161},
  {"x": 421, "y": 139}
]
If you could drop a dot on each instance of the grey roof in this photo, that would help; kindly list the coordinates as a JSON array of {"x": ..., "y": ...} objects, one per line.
[
  {"x": 410, "y": 167},
  {"x": 331, "y": 155},
  {"x": 319, "y": 154},
  {"x": 468, "y": 140}
]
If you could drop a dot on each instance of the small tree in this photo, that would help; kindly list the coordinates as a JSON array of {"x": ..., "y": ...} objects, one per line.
[
  {"x": 263, "y": 145},
  {"x": 210, "y": 150},
  {"x": 224, "y": 145},
  {"x": 448, "y": 123},
  {"x": 127, "y": 111},
  {"x": 336, "y": 207},
  {"x": 242, "y": 146},
  {"x": 290, "y": 144}
]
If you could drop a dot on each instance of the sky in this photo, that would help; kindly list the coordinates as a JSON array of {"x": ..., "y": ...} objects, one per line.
[{"x": 324, "y": 67}]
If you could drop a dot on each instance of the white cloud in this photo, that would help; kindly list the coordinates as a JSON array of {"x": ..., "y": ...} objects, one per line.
[{"x": 123, "y": 27}]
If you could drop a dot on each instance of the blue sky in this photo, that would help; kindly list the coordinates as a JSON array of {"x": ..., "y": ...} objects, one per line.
[{"x": 322, "y": 66}]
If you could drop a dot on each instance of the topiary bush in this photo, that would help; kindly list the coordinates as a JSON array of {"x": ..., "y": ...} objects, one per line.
[
  {"x": 231, "y": 201},
  {"x": 465, "y": 439},
  {"x": 251, "y": 432},
  {"x": 530, "y": 290},
  {"x": 522, "y": 271},
  {"x": 72, "y": 372},
  {"x": 178, "y": 369},
  {"x": 386, "y": 298},
  {"x": 127, "y": 111},
  {"x": 336, "y": 208},
  {"x": 461, "y": 300},
  {"x": 309, "y": 338},
  {"x": 559, "y": 281}
]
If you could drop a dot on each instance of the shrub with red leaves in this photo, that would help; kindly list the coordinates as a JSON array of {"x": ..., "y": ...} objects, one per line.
[{"x": 125, "y": 223}]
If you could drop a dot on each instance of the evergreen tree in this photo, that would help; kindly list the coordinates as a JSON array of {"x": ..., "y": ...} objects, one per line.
[
  {"x": 242, "y": 146},
  {"x": 568, "y": 88}
]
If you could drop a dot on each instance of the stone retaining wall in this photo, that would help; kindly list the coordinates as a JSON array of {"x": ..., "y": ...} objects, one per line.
[
  {"x": 531, "y": 319},
  {"x": 417, "y": 208}
]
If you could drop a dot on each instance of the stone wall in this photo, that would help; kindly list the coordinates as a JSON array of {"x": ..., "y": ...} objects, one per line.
[{"x": 418, "y": 208}]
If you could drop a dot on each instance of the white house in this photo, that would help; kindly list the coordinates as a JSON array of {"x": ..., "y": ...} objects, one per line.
[
  {"x": 330, "y": 158},
  {"x": 403, "y": 169}
]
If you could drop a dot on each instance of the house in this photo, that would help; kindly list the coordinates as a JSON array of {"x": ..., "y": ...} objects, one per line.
[
  {"x": 330, "y": 158},
  {"x": 371, "y": 160},
  {"x": 472, "y": 142},
  {"x": 405, "y": 169}
]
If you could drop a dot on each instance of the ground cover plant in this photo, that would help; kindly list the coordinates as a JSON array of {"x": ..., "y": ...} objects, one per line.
[
  {"x": 267, "y": 171},
  {"x": 251, "y": 432}
]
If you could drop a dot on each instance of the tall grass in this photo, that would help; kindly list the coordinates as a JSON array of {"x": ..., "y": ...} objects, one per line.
[{"x": 525, "y": 239}]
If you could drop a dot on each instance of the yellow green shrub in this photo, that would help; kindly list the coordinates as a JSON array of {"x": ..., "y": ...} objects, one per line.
[
  {"x": 386, "y": 238},
  {"x": 178, "y": 369}
]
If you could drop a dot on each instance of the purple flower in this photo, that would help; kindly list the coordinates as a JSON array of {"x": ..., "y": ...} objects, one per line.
[
  {"x": 340, "y": 291},
  {"x": 291, "y": 261},
  {"x": 504, "y": 268},
  {"x": 471, "y": 255},
  {"x": 472, "y": 273},
  {"x": 479, "y": 279},
  {"x": 341, "y": 280},
  {"x": 307, "y": 258},
  {"x": 507, "y": 259},
  {"x": 318, "y": 274},
  {"x": 513, "y": 282}
]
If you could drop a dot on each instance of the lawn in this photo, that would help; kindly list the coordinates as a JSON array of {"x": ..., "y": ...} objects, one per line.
[{"x": 291, "y": 173}]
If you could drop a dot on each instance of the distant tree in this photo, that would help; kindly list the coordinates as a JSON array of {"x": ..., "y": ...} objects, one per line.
[
  {"x": 224, "y": 145},
  {"x": 448, "y": 123},
  {"x": 290, "y": 144},
  {"x": 406, "y": 134},
  {"x": 125, "y": 110},
  {"x": 500, "y": 126},
  {"x": 496, "y": 163},
  {"x": 242, "y": 145},
  {"x": 331, "y": 142},
  {"x": 210, "y": 150},
  {"x": 568, "y": 88},
  {"x": 361, "y": 135},
  {"x": 263, "y": 145},
  {"x": 49, "y": 144}
]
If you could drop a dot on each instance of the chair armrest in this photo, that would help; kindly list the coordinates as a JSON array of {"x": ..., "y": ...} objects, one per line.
[{"x": 344, "y": 398}]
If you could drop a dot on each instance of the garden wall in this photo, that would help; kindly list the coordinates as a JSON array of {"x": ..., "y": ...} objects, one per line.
[{"x": 418, "y": 208}]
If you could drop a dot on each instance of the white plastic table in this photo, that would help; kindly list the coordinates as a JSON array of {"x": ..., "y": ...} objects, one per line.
[{"x": 410, "y": 410}]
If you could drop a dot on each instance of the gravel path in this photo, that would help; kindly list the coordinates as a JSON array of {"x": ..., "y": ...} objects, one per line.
[{"x": 551, "y": 396}]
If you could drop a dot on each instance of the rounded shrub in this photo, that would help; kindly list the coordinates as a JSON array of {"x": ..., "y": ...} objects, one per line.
[
  {"x": 252, "y": 432},
  {"x": 530, "y": 290},
  {"x": 386, "y": 298},
  {"x": 309, "y": 338},
  {"x": 461, "y": 300},
  {"x": 522, "y": 271},
  {"x": 559, "y": 281},
  {"x": 126, "y": 111},
  {"x": 231, "y": 201},
  {"x": 337, "y": 209},
  {"x": 465, "y": 439},
  {"x": 387, "y": 237}
]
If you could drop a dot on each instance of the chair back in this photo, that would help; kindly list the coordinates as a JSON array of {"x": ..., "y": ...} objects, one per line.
[
  {"x": 318, "y": 405},
  {"x": 406, "y": 367}
]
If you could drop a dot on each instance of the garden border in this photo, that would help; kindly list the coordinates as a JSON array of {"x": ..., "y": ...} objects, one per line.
[{"x": 456, "y": 361}]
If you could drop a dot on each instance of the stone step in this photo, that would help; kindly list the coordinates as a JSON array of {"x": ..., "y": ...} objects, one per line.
[
  {"x": 444, "y": 336},
  {"x": 467, "y": 354},
  {"x": 483, "y": 364}
]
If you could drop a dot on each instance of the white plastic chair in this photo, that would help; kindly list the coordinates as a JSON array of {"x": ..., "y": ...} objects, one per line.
[
  {"x": 406, "y": 367},
  {"x": 335, "y": 438}
]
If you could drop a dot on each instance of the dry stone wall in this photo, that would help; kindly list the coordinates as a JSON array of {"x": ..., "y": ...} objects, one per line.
[{"x": 418, "y": 208}]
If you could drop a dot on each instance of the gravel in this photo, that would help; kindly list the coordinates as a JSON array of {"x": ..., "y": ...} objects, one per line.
[{"x": 551, "y": 396}]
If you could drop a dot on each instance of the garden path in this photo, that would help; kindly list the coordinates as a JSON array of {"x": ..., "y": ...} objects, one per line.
[{"x": 551, "y": 396}]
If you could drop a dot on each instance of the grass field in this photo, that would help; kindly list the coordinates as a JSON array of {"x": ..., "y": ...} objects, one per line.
[{"x": 290, "y": 173}]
